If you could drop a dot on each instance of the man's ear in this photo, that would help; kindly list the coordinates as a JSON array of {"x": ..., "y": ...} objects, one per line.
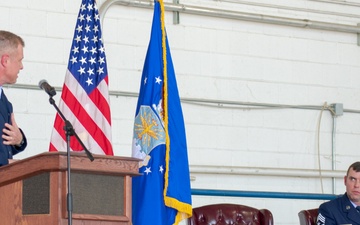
[{"x": 4, "y": 60}]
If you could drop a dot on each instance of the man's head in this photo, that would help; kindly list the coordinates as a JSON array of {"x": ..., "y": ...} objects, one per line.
[
  {"x": 11, "y": 55},
  {"x": 352, "y": 182}
]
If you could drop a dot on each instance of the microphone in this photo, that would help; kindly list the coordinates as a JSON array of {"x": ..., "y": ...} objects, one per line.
[{"x": 43, "y": 84}]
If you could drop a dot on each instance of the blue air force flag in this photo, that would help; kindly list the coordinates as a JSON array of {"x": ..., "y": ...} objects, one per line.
[{"x": 161, "y": 195}]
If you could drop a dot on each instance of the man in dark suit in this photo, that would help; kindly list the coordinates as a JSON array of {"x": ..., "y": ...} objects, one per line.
[
  {"x": 343, "y": 210},
  {"x": 11, "y": 55}
]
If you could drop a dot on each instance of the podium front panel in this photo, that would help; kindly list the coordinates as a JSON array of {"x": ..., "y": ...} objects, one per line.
[
  {"x": 36, "y": 194},
  {"x": 97, "y": 194}
]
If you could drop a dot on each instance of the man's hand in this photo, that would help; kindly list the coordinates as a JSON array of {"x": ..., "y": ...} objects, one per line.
[
  {"x": 11, "y": 133},
  {"x": 12, "y": 160}
]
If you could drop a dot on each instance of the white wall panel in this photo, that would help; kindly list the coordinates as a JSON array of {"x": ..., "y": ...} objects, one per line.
[{"x": 215, "y": 59}]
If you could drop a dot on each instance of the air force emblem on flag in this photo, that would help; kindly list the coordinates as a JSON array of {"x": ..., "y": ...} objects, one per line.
[{"x": 148, "y": 133}]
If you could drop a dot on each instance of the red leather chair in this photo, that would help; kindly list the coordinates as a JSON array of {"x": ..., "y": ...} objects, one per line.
[
  {"x": 230, "y": 214},
  {"x": 308, "y": 217}
]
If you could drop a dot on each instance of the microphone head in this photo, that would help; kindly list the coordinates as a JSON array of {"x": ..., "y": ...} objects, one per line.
[{"x": 41, "y": 83}]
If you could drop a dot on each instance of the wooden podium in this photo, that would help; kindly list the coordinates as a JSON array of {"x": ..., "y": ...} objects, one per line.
[{"x": 33, "y": 191}]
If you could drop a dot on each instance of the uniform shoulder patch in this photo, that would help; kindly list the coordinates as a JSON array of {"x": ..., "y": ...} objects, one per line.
[{"x": 320, "y": 219}]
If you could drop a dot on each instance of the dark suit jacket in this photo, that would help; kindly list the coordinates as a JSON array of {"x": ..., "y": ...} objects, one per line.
[
  {"x": 338, "y": 211},
  {"x": 7, "y": 151}
]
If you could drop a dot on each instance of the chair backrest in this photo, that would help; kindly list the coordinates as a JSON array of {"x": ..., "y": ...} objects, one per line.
[
  {"x": 308, "y": 216},
  {"x": 234, "y": 214}
]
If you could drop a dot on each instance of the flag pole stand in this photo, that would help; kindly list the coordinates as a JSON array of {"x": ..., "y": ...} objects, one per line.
[{"x": 69, "y": 131}]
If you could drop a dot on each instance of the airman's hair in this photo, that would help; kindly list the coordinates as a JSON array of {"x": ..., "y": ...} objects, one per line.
[{"x": 355, "y": 166}]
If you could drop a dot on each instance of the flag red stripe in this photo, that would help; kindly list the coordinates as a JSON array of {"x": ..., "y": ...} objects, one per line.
[
  {"x": 52, "y": 148},
  {"x": 99, "y": 100},
  {"x": 86, "y": 120},
  {"x": 59, "y": 127}
]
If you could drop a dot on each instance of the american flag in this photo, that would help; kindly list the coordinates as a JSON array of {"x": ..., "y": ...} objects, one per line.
[{"x": 85, "y": 95}]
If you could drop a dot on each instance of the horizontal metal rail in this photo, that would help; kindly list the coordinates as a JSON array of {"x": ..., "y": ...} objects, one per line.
[
  {"x": 204, "y": 102},
  {"x": 220, "y": 13},
  {"x": 262, "y": 194}
]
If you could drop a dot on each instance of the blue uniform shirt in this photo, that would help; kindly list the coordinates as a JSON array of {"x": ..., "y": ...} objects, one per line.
[
  {"x": 338, "y": 211},
  {"x": 7, "y": 151}
]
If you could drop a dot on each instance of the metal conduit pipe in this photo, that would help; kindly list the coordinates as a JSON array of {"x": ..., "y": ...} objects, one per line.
[
  {"x": 333, "y": 153},
  {"x": 279, "y": 172},
  {"x": 209, "y": 102},
  {"x": 339, "y": 2},
  {"x": 254, "y": 17}
]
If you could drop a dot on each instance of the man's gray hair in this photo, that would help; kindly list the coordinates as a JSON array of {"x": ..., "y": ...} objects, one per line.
[{"x": 10, "y": 40}]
